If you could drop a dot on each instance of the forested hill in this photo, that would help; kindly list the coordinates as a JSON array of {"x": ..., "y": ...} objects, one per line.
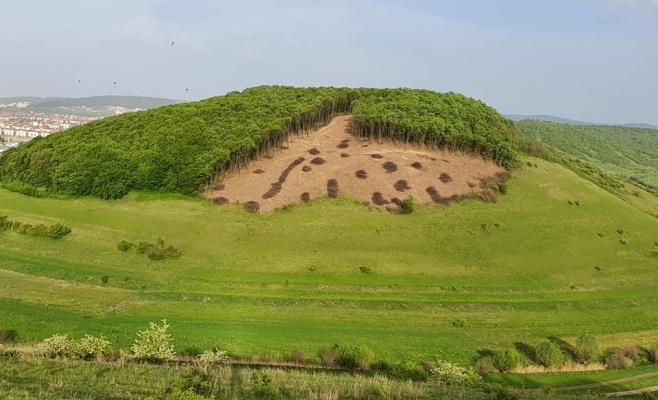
[
  {"x": 629, "y": 151},
  {"x": 179, "y": 148}
]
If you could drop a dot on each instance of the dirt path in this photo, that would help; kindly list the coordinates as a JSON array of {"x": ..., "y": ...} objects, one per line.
[{"x": 331, "y": 161}]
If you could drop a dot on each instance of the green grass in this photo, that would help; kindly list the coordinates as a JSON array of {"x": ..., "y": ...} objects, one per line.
[{"x": 270, "y": 284}]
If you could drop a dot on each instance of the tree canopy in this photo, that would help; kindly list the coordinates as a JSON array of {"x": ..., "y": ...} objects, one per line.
[{"x": 181, "y": 147}]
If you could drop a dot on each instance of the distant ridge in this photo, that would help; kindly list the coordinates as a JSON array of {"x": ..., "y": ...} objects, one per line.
[{"x": 559, "y": 120}]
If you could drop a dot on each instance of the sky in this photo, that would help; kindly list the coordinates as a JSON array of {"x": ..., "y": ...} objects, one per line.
[{"x": 592, "y": 60}]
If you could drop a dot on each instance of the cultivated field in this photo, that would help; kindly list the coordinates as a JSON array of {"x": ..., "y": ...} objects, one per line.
[{"x": 447, "y": 280}]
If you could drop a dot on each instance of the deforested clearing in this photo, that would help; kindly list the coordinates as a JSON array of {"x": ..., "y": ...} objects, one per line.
[{"x": 242, "y": 186}]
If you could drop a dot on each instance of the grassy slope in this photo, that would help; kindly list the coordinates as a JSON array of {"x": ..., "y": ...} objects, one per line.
[
  {"x": 244, "y": 282},
  {"x": 623, "y": 150}
]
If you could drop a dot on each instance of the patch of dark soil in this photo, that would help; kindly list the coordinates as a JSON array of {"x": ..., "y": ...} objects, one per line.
[
  {"x": 305, "y": 197},
  {"x": 435, "y": 196},
  {"x": 343, "y": 145},
  {"x": 332, "y": 188},
  {"x": 444, "y": 160},
  {"x": 307, "y": 168},
  {"x": 289, "y": 168},
  {"x": 471, "y": 185},
  {"x": 417, "y": 165},
  {"x": 365, "y": 145},
  {"x": 377, "y": 156},
  {"x": 345, "y": 141},
  {"x": 220, "y": 201},
  {"x": 251, "y": 206},
  {"x": 318, "y": 161},
  {"x": 396, "y": 201},
  {"x": 221, "y": 186},
  {"x": 314, "y": 152},
  {"x": 284, "y": 147},
  {"x": 344, "y": 155},
  {"x": 361, "y": 174},
  {"x": 274, "y": 190},
  {"x": 401, "y": 185},
  {"x": 259, "y": 171},
  {"x": 378, "y": 199},
  {"x": 268, "y": 156},
  {"x": 445, "y": 178},
  {"x": 390, "y": 166}
]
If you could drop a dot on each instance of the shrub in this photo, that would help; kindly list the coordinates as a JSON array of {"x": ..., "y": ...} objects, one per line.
[
  {"x": 601, "y": 234},
  {"x": 92, "y": 347},
  {"x": 125, "y": 246},
  {"x": 213, "y": 356},
  {"x": 407, "y": 206},
  {"x": 8, "y": 336},
  {"x": 56, "y": 346},
  {"x": 623, "y": 241},
  {"x": 365, "y": 270},
  {"x": 620, "y": 231},
  {"x": 496, "y": 391},
  {"x": 587, "y": 348},
  {"x": 409, "y": 370},
  {"x": 298, "y": 357},
  {"x": 178, "y": 394},
  {"x": 549, "y": 354},
  {"x": 58, "y": 231},
  {"x": 653, "y": 354},
  {"x": 382, "y": 365},
  {"x": 506, "y": 360},
  {"x": 263, "y": 384},
  {"x": 153, "y": 344},
  {"x": 631, "y": 352},
  {"x": 449, "y": 374},
  {"x": 158, "y": 251},
  {"x": 330, "y": 356},
  {"x": 618, "y": 361},
  {"x": 105, "y": 279},
  {"x": 354, "y": 357},
  {"x": 485, "y": 365},
  {"x": 459, "y": 323}
]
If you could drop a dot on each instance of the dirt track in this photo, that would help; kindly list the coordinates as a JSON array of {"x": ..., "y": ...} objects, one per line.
[{"x": 331, "y": 161}]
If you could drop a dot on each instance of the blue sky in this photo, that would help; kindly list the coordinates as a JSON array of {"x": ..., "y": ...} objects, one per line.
[{"x": 594, "y": 60}]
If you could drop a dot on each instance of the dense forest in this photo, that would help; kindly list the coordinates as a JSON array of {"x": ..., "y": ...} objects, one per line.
[
  {"x": 630, "y": 151},
  {"x": 180, "y": 148}
]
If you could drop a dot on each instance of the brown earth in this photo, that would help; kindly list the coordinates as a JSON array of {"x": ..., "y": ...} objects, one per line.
[{"x": 284, "y": 177}]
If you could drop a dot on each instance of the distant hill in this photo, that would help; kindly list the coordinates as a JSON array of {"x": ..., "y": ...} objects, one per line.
[
  {"x": 100, "y": 106},
  {"x": 559, "y": 120}
]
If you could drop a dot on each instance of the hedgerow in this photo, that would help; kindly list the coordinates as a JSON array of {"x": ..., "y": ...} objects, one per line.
[
  {"x": 182, "y": 147},
  {"x": 55, "y": 231}
]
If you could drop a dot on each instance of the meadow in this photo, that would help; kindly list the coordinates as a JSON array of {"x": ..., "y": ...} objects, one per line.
[{"x": 449, "y": 281}]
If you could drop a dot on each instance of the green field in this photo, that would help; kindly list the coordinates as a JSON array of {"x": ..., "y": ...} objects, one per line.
[{"x": 517, "y": 271}]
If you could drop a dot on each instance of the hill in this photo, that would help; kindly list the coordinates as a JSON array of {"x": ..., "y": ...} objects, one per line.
[
  {"x": 632, "y": 152},
  {"x": 183, "y": 147},
  {"x": 97, "y": 106},
  {"x": 559, "y": 120}
]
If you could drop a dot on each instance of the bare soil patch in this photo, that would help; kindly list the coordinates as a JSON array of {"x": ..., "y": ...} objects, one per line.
[{"x": 283, "y": 179}]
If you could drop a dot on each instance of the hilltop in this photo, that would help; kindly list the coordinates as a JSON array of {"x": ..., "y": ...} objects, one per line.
[
  {"x": 96, "y": 106},
  {"x": 184, "y": 147}
]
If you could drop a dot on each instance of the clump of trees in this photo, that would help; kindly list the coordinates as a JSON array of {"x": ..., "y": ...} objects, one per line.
[
  {"x": 157, "y": 251},
  {"x": 181, "y": 148}
]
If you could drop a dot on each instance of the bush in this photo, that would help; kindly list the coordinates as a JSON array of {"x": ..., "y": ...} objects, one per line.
[
  {"x": 485, "y": 365},
  {"x": 298, "y": 357},
  {"x": 587, "y": 348},
  {"x": 549, "y": 354},
  {"x": 618, "y": 361},
  {"x": 213, "y": 357},
  {"x": 623, "y": 241},
  {"x": 153, "y": 344},
  {"x": 631, "y": 352},
  {"x": 263, "y": 384},
  {"x": 409, "y": 370},
  {"x": 365, "y": 270},
  {"x": 8, "y": 336},
  {"x": 58, "y": 231},
  {"x": 449, "y": 374},
  {"x": 653, "y": 354},
  {"x": 91, "y": 347},
  {"x": 158, "y": 251},
  {"x": 105, "y": 279},
  {"x": 407, "y": 206},
  {"x": 496, "y": 391},
  {"x": 330, "y": 356},
  {"x": 125, "y": 246},
  {"x": 354, "y": 357},
  {"x": 506, "y": 360},
  {"x": 56, "y": 346}
]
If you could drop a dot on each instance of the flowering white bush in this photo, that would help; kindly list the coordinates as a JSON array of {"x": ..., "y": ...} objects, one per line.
[
  {"x": 153, "y": 344},
  {"x": 449, "y": 374},
  {"x": 56, "y": 346},
  {"x": 213, "y": 357},
  {"x": 92, "y": 347}
]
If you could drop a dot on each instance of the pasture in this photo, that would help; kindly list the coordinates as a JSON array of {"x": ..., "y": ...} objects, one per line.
[{"x": 447, "y": 280}]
